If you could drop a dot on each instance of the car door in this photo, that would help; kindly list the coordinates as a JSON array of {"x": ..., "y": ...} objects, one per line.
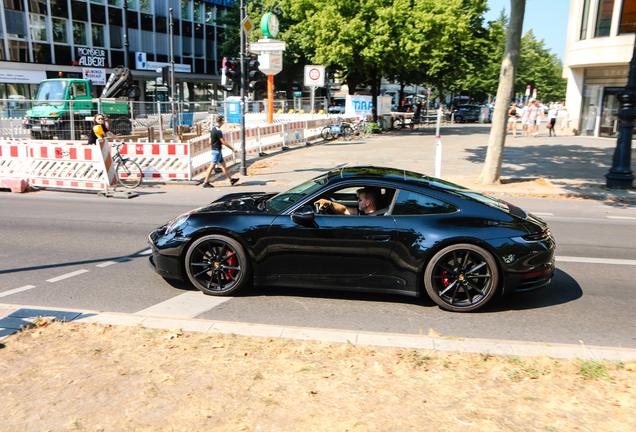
[{"x": 323, "y": 248}]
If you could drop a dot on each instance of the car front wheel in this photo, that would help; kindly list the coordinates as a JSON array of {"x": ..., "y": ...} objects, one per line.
[
  {"x": 461, "y": 278},
  {"x": 217, "y": 265}
]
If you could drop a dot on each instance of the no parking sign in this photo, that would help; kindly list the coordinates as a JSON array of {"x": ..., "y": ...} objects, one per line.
[{"x": 314, "y": 76}]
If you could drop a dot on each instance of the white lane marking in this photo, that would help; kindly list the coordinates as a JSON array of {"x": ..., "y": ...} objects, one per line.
[
  {"x": 186, "y": 305},
  {"x": 17, "y": 290},
  {"x": 67, "y": 275},
  {"x": 622, "y": 217},
  {"x": 109, "y": 263},
  {"x": 542, "y": 214},
  {"x": 595, "y": 260},
  {"x": 146, "y": 252}
]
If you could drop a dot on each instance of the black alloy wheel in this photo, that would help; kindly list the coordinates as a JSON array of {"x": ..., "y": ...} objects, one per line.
[
  {"x": 217, "y": 265},
  {"x": 461, "y": 277},
  {"x": 459, "y": 119}
]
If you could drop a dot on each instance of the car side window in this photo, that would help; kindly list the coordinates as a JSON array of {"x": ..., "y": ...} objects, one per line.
[{"x": 413, "y": 203}]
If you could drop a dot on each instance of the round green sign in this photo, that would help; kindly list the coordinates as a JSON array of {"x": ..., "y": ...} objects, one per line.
[{"x": 269, "y": 25}]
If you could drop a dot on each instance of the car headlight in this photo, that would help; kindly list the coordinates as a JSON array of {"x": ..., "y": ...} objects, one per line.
[{"x": 176, "y": 223}]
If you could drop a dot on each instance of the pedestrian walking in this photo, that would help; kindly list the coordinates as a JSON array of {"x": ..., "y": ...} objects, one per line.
[
  {"x": 552, "y": 115},
  {"x": 540, "y": 115},
  {"x": 565, "y": 121},
  {"x": 512, "y": 119},
  {"x": 525, "y": 112},
  {"x": 532, "y": 116},
  {"x": 216, "y": 143}
]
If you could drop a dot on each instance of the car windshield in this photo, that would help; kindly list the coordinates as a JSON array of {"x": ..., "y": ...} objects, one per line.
[
  {"x": 283, "y": 200},
  {"x": 52, "y": 91}
]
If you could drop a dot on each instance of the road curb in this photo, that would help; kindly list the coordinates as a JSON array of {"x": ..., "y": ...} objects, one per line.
[{"x": 14, "y": 317}]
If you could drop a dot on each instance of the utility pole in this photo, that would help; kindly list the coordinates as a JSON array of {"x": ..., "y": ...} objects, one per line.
[
  {"x": 126, "y": 43},
  {"x": 174, "y": 117},
  {"x": 243, "y": 80}
]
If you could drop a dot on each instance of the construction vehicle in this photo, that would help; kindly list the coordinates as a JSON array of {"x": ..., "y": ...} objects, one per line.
[{"x": 64, "y": 107}]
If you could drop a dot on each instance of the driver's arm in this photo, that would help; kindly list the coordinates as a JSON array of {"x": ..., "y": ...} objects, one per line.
[{"x": 335, "y": 207}]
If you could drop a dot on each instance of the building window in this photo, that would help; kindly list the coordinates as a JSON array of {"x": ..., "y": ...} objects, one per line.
[
  {"x": 114, "y": 17},
  {"x": 146, "y": 22},
  {"x": 79, "y": 33},
  {"x": 42, "y": 53},
  {"x": 628, "y": 18},
  {"x": 79, "y": 11},
  {"x": 131, "y": 4},
  {"x": 59, "y": 8},
  {"x": 198, "y": 11},
  {"x": 585, "y": 19},
  {"x": 209, "y": 14},
  {"x": 116, "y": 37},
  {"x": 116, "y": 58},
  {"x": 17, "y": 5},
  {"x": 144, "y": 5},
  {"x": 98, "y": 35},
  {"x": 132, "y": 19},
  {"x": 63, "y": 55},
  {"x": 185, "y": 9},
  {"x": 161, "y": 25},
  {"x": 37, "y": 24},
  {"x": 18, "y": 51},
  {"x": 604, "y": 18},
  {"x": 97, "y": 1},
  {"x": 98, "y": 14},
  {"x": 113, "y": 2},
  {"x": 16, "y": 24},
  {"x": 37, "y": 7},
  {"x": 59, "y": 30}
]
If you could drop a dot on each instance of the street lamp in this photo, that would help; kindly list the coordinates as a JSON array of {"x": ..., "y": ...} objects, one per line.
[{"x": 620, "y": 175}]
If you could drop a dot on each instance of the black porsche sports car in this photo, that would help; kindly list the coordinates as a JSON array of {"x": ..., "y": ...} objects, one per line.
[{"x": 428, "y": 235}]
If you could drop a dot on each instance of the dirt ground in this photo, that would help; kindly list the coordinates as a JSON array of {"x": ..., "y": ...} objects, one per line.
[{"x": 89, "y": 377}]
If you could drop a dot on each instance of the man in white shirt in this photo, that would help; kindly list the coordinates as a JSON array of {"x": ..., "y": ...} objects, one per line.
[{"x": 552, "y": 115}]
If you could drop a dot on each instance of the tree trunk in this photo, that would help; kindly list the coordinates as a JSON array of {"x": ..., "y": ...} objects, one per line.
[
  {"x": 491, "y": 172},
  {"x": 440, "y": 91}
]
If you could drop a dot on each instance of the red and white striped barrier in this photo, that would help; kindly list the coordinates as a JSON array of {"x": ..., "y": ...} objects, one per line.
[
  {"x": 71, "y": 166},
  {"x": 13, "y": 165},
  {"x": 295, "y": 133},
  {"x": 168, "y": 161}
]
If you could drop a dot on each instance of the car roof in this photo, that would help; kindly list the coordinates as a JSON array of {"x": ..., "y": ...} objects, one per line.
[{"x": 378, "y": 173}]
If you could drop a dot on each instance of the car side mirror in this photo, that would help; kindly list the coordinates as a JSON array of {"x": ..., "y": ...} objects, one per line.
[{"x": 303, "y": 215}]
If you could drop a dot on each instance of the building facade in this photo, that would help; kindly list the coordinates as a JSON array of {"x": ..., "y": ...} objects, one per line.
[
  {"x": 42, "y": 39},
  {"x": 600, "y": 45}
]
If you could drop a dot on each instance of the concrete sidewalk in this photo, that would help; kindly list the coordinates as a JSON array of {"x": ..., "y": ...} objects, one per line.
[
  {"x": 13, "y": 318},
  {"x": 543, "y": 166}
]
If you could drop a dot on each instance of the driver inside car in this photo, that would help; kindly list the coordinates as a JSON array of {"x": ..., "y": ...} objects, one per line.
[{"x": 368, "y": 199}]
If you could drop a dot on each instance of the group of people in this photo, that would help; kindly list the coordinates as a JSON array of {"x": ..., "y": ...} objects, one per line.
[{"x": 533, "y": 113}]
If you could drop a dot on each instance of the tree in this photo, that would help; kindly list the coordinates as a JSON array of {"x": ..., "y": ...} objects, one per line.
[
  {"x": 491, "y": 172},
  {"x": 540, "y": 69}
]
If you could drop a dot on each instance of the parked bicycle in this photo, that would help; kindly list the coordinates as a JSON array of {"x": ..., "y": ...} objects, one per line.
[
  {"x": 129, "y": 173},
  {"x": 361, "y": 129},
  {"x": 342, "y": 129}
]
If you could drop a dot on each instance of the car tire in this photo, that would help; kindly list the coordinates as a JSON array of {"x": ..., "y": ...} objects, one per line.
[
  {"x": 459, "y": 119},
  {"x": 461, "y": 277},
  {"x": 217, "y": 265}
]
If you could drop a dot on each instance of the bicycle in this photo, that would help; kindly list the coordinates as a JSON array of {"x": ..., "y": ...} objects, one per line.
[
  {"x": 361, "y": 129},
  {"x": 129, "y": 173},
  {"x": 342, "y": 129}
]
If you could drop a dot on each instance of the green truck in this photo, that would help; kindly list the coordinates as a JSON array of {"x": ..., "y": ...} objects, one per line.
[{"x": 64, "y": 107}]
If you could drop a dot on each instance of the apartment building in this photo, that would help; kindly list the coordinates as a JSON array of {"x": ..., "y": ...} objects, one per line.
[
  {"x": 42, "y": 39},
  {"x": 600, "y": 45}
]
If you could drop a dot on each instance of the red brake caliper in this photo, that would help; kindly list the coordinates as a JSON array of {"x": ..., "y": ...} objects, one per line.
[
  {"x": 232, "y": 262},
  {"x": 445, "y": 281}
]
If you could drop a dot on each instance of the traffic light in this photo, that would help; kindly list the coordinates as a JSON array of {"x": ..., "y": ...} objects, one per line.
[
  {"x": 256, "y": 76},
  {"x": 165, "y": 75},
  {"x": 232, "y": 75}
]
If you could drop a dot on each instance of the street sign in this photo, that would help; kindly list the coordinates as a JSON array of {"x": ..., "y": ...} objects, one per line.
[
  {"x": 298, "y": 94},
  {"x": 267, "y": 45},
  {"x": 270, "y": 62},
  {"x": 314, "y": 76},
  {"x": 247, "y": 25}
]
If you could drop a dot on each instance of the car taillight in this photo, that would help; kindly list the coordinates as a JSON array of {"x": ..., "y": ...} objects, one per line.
[{"x": 537, "y": 237}]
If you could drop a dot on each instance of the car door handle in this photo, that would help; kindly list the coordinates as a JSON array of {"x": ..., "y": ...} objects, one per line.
[{"x": 381, "y": 238}]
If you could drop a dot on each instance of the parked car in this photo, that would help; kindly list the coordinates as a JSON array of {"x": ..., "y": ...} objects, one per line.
[
  {"x": 431, "y": 237},
  {"x": 470, "y": 113}
]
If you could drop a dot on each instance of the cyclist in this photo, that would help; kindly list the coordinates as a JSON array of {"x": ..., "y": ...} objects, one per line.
[{"x": 99, "y": 129}]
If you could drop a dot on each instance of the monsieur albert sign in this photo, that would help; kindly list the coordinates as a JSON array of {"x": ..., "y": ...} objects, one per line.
[{"x": 91, "y": 57}]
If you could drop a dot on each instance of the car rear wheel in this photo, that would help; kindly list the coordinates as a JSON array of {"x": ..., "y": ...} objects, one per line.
[
  {"x": 459, "y": 119},
  {"x": 461, "y": 278},
  {"x": 217, "y": 265}
]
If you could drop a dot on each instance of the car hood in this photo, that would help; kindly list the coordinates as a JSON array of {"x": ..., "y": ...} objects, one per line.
[{"x": 238, "y": 203}]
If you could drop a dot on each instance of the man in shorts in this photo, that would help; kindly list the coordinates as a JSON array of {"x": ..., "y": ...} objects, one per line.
[{"x": 216, "y": 143}]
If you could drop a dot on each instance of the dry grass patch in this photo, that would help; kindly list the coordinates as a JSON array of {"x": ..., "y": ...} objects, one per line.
[{"x": 70, "y": 376}]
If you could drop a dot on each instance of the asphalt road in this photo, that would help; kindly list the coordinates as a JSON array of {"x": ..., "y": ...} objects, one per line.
[{"x": 80, "y": 251}]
